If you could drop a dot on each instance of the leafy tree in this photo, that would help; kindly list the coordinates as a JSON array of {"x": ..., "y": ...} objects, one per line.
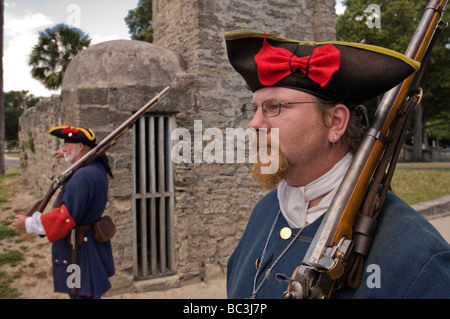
[
  {"x": 398, "y": 22},
  {"x": 16, "y": 102},
  {"x": 139, "y": 21},
  {"x": 55, "y": 49},
  {"x": 438, "y": 128}
]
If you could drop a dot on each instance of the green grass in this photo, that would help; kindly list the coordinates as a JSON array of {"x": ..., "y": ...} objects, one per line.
[
  {"x": 11, "y": 257},
  {"x": 420, "y": 185},
  {"x": 14, "y": 154},
  {"x": 7, "y": 292},
  {"x": 6, "y": 231},
  {"x": 11, "y": 172}
]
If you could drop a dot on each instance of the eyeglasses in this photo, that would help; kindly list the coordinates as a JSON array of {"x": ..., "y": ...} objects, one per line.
[{"x": 270, "y": 108}]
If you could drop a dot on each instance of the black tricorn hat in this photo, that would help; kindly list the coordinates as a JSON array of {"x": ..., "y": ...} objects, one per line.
[
  {"x": 329, "y": 70},
  {"x": 72, "y": 134}
]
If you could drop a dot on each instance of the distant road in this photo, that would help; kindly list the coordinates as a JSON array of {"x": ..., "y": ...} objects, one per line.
[
  {"x": 417, "y": 165},
  {"x": 11, "y": 162}
]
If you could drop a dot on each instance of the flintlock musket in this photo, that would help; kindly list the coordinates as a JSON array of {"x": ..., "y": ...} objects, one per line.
[
  {"x": 337, "y": 251},
  {"x": 94, "y": 153}
]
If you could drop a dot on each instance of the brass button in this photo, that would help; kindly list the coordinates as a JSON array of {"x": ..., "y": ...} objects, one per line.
[
  {"x": 85, "y": 239},
  {"x": 62, "y": 210},
  {"x": 285, "y": 233},
  {"x": 64, "y": 261},
  {"x": 67, "y": 220},
  {"x": 258, "y": 263}
]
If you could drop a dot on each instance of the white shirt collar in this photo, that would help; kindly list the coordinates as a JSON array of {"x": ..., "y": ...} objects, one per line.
[{"x": 294, "y": 200}]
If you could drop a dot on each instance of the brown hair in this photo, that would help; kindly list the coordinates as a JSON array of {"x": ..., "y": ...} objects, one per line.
[{"x": 357, "y": 124}]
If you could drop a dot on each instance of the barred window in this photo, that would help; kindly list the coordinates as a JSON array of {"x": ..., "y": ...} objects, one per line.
[{"x": 153, "y": 198}]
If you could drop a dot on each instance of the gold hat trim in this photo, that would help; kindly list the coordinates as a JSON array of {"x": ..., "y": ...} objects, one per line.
[
  {"x": 242, "y": 34},
  {"x": 88, "y": 133}
]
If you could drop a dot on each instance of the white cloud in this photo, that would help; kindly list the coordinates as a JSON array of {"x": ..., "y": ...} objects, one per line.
[
  {"x": 20, "y": 37},
  {"x": 340, "y": 7},
  {"x": 23, "y": 21},
  {"x": 26, "y": 24}
]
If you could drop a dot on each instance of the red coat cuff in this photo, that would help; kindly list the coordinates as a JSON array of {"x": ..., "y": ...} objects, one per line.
[{"x": 57, "y": 223}]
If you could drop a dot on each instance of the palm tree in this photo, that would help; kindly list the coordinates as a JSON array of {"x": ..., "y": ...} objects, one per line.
[{"x": 56, "y": 48}]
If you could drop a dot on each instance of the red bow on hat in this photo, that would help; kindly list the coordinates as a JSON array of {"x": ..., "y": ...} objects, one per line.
[
  {"x": 68, "y": 130},
  {"x": 274, "y": 64}
]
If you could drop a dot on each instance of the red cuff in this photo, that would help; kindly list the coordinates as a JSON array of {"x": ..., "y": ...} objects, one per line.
[{"x": 57, "y": 223}]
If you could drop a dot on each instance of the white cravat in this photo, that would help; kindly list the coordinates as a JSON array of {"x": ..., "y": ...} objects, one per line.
[{"x": 294, "y": 201}]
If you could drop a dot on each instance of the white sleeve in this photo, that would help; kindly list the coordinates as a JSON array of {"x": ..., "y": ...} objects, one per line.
[{"x": 33, "y": 224}]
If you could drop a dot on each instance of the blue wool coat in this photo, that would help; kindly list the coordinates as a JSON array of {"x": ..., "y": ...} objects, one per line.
[
  {"x": 411, "y": 258},
  {"x": 85, "y": 196}
]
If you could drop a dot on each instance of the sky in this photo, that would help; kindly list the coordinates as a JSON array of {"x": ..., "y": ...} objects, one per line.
[
  {"x": 340, "y": 8},
  {"x": 103, "y": 20}
]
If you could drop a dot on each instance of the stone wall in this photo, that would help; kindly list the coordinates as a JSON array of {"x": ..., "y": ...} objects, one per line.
[
  {"x": 212, "y": 201},
  {"x": 37, "y": 159},
  {"x": 212, "y": 215},
  {"x": 433, "y": 154}
]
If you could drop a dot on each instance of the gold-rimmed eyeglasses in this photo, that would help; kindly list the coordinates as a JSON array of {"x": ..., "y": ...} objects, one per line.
[{"x": 270, "y": 108}]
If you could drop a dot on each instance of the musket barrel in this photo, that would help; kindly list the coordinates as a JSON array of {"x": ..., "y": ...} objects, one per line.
[
  {"x": 98, "y": 150},
  {"x": 349, "y": 197},
  {"x": 339, "y": 219},
  {"x": 116, "y": 133}
]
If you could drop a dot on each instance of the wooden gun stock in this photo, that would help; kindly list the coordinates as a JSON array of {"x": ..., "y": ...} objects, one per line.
[
  {"x": 94, "y": 153},
  {"x": 357, "y": 203},
  {"x": 40, "y": 205},
  {"x": 372, "y": 150}
]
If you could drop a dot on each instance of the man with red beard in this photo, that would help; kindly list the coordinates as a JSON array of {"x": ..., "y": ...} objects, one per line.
[{"x": 309, "y": 94}]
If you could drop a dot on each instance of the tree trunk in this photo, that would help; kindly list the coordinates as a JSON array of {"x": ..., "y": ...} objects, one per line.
[
  {"x": 2, "y": 105},
  {"x": 418, "y": 134}
]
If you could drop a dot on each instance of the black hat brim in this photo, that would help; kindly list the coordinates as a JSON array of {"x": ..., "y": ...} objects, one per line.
[
  {"x": 74, "y": 135},
  {"x": 365, "y": 71}
]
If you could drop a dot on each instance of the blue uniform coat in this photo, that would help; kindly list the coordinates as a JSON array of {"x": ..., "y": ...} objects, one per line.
[
  {"x": 85, "y": 196},
  {"x": 412, "y": 257}
]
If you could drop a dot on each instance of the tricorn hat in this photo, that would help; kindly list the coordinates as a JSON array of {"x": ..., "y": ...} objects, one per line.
[
  {"x": 72, "y": 134},
  {"x": 329, "y": 70}
]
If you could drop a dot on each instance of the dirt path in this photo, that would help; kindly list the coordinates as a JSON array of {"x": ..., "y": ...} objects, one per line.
[
  {"x": 34, "y": 273},
  {"x": 35, "y": 280}
]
